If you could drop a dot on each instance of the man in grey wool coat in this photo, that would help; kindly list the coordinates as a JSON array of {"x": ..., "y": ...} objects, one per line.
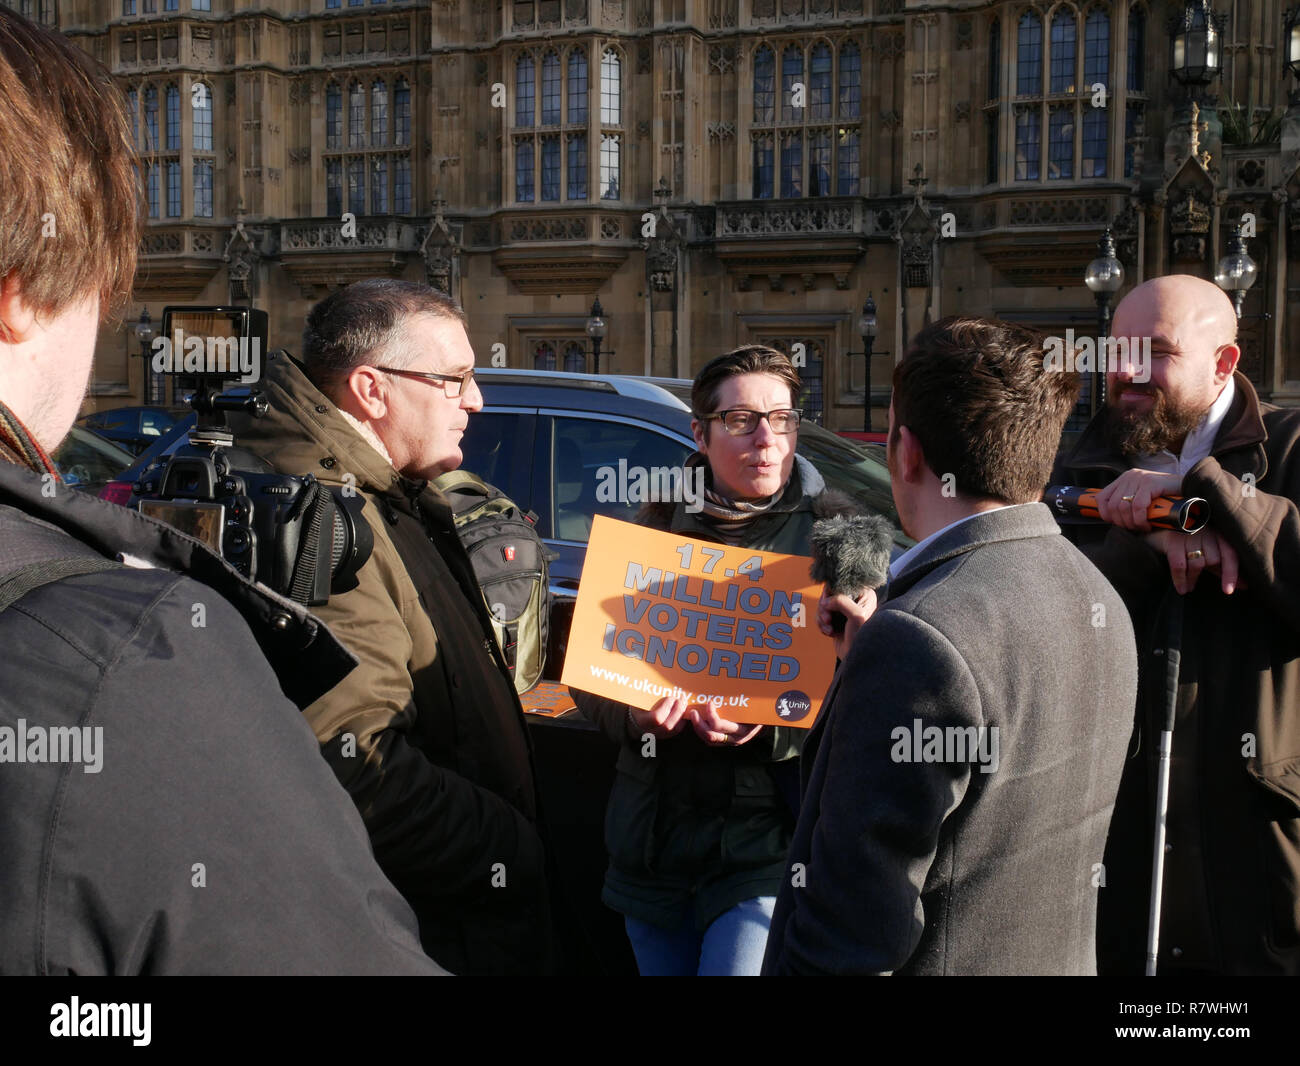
[{"x": 958, "y": 784}]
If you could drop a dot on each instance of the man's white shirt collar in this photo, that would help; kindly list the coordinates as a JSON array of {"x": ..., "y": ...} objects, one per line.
[{"x": 903, "y": 561}]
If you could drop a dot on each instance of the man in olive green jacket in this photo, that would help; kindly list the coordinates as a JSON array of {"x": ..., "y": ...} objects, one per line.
[{"x": 427, "y": 734}]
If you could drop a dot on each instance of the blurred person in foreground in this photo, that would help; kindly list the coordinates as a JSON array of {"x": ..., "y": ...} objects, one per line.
[
  {"x": 959, "y": 779},
  {"x": 163, "y": 806},
  {"x": 1231, "y": 893},
  {"x": 697, "y": 835}
]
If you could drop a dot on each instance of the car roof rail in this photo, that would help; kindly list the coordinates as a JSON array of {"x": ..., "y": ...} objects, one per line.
[{"x": 621, "y": 384}]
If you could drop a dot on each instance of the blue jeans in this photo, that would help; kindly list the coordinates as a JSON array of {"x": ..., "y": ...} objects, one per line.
[{"x": 732, "y": 946}]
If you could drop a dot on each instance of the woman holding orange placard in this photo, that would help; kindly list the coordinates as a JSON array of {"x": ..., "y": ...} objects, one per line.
[{"x": 698, "y": 830}]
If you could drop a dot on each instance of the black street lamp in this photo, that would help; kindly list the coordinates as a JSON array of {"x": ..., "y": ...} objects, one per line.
[
  {"x": 155, "y": 383},
  {"x": 868, "y": 328},
  {"x": 1236, "y": 271},
  {"x": 1291, "y": 53},
  {"x": 1195, "y": 43},
  {"x": 596, "y": 331},
  {"x": 1105, "y": 277}
]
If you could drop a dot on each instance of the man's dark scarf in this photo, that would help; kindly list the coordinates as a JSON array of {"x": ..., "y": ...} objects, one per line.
[{"x": 18, "y": 446}]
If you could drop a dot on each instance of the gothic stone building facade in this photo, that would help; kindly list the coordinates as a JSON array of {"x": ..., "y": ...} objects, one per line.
[{"x": 716, "y": 171}]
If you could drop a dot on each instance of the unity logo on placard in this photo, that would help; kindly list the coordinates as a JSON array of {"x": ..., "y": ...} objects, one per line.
[{"x": 793, "y": 705}]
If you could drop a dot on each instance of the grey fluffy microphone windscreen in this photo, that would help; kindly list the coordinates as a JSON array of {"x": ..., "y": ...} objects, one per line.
[{"x": 850, "y": 554}]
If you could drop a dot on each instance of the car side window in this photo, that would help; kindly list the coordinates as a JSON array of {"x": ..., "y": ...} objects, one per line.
[
  {"x": 498, "y": 446},
  {"x": 589, "y": 480}
]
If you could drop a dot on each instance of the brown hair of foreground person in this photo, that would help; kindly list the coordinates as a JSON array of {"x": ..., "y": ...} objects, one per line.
[{"x": 69, "y": 195}]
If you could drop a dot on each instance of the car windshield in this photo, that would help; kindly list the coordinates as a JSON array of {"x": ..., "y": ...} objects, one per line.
[
  {"x": 87, "y": 460},
  {"x": 859, "y": 470}
]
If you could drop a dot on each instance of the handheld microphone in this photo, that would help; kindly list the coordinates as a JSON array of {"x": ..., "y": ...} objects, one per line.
[
  {"x": 850, "y": 554},
  {"x": 1182, "y": 514}
]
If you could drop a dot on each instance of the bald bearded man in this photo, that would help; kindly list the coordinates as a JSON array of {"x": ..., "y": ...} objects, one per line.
[{"x": 1197, "y": 428}]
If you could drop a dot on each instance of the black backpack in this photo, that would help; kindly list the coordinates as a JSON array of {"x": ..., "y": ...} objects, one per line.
[{"x": 511, "y": 565}]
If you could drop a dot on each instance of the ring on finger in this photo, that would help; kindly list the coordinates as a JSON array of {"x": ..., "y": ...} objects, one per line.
[
  {"x": 1127, "y": 499},
  {"x": 1197, "y": 554}
]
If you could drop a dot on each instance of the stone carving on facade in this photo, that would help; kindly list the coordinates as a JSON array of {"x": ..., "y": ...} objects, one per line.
[
  {"x": 242, "y": 256},
  {"x": 1125, "y": 231},
  {"x": 663, "y": 250},
  {"x": 961, "y": 111},
  {"x": 1190, "y": 137},
  {"x": 917, "y": 237},
  {"x": 722, "y": 14},
  {"x": 644, "y": 14},
  {"x": 1189, "y": 226},
  {"x": 759, "y": 219},
  {"x": 1251, "y": 173},
  {"x": 1196, "y": 130},
  {"x": 440, "y": 251},
  {"x": 548, "y": 229},
  {"x": 612, "y": 12},
  {"x": 201, "y": 46},
  {"x": 722, "y": 58}
]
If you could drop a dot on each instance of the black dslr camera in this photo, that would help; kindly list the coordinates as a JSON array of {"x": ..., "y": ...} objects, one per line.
[{"x": 300, "y": 538}]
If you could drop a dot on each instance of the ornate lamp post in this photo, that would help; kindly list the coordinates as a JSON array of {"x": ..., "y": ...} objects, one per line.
[
  {"x": 596, "y": 331},
  {"x": 1291, "y": 35},
  {"x": 867, "y": 329},
  {"x": 1195, "y": 40},
  {"x": 1104, "y": 277},
  {"x": 1236, "y": 271},
  {"x": 155, "y": 383}
]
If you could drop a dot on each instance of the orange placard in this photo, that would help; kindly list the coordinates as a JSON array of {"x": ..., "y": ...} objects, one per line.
[{"x": 660, "y": 614}]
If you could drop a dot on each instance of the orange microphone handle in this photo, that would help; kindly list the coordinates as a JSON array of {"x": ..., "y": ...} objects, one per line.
[{"x": 1183, "y": 514}]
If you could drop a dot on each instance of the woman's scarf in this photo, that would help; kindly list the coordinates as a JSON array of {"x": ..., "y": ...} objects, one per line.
[{"x": 731, "y": 518}]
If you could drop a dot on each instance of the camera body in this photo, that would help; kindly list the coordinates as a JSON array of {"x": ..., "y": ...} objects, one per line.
[{"x": 298, "y": 537}]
